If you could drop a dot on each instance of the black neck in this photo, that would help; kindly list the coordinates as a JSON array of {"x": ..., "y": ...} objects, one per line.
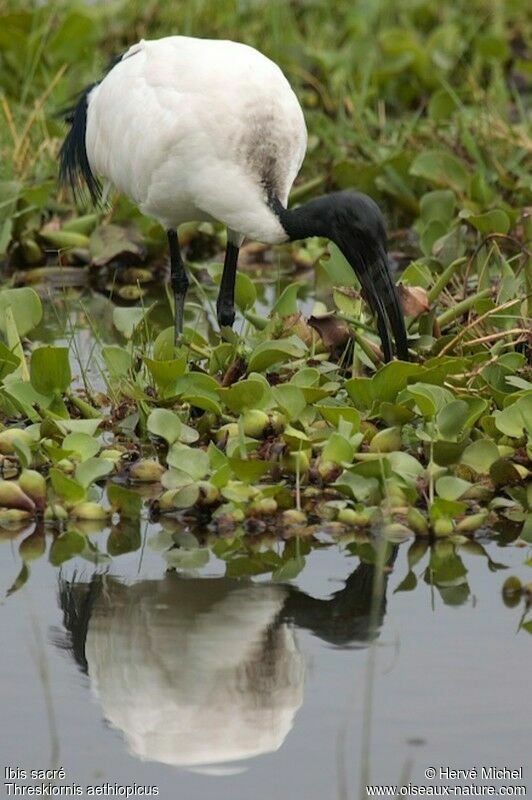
[{"x": 311, "y": 219}]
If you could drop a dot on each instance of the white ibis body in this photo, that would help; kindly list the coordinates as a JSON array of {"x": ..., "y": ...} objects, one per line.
[{"x": 198, "y": 129}]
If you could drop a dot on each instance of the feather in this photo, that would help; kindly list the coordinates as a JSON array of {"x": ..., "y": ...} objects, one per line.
[{"x": 74, "y": 167}]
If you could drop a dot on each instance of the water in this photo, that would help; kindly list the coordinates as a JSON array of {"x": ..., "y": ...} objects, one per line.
[{"x": 213, "y": 688}]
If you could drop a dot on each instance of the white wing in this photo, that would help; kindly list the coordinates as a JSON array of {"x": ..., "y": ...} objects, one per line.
[{"x": 193, "y": 128}]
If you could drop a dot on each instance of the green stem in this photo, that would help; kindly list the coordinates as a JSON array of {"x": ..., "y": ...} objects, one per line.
[
  {"x": 460, "y": 308},
  {"x": 444, "y": 279}
]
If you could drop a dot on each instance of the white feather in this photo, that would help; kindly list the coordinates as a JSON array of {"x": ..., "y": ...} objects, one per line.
[{"x": 198, "y": 129}]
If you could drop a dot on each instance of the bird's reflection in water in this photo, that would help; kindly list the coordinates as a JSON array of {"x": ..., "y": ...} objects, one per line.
[{"x": 204, "y": 672}]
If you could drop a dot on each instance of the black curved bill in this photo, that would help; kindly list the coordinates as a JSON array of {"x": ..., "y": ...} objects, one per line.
[{"x": 382, "y": 296}]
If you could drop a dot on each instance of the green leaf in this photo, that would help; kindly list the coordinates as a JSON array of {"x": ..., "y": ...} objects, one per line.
[
  {"x": 92, "y": 470},
  {"x": 338, "y": 269},
  {"x": 480, "y": 455},
  {"x": 25, "y": 306},
  {"x": 67, "y": 488},
  {"x": 126, "y": 320},
  {"x": 8, "y": 361},
  {"x": 164, "y": 423},
  {"x": 193, "y": 461},
  {"x": 286, "y": 304},
  {"x": 108, "y": 242},
  {"x": 117, "y": 360},
  {"x": 82, "y": 444},
  {"x": 124, "y": 500},
  {"x": 245, "y": 292},
  {"x": 69, "y": 544},
  {"x": 243, "y": 395},
  {"x": 290, "y": 400},
  {"x": 180, "y": 558},
  {"x": 429, "y": 399},
  {"x": 266, "y": 354},
  {"x": 408, "y": 583},
  {"x": 451, "y": 488},
  {"x": 494, "y": 221},
  {"x": 289, "y": 570},
  {"x": 516, "y": 417},
  {"x": 441, "y": 168},
  {"x": 50, "y": 370},
  {"x": 248, "y": 470},
  {"x": 125, "y": 537},
  {"x": 166, "y": 373},
  {"x": 452, "y": 418}
]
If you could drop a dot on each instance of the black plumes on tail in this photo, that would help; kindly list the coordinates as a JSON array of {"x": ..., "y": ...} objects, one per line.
[{"x": 74, "y": 167}]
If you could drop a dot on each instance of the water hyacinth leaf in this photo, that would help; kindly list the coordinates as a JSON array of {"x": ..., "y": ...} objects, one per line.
[
  {"x": 266, "y": 354},
  {"x": 430, "y": 399},
  {"x": 164, "y": 423},
  {"x": 245, "y": 292},
  {"x": 23, "y": 452},
  {"x": 416, "y": 551},
  {"x": 494, "y": 221},
  {"x": 20, "y": 580},
  {"x": 286, "y": 305},
  {"x": 442, "y": 169},
  {"x": 338, "y": 269},
  {"x": 109, "y": 242},
  {"x": 408, "y": 583},
  {"x": 246, "y": 566},
  {"x": 180, "y": 558},
  {"x": 199, "y": 390},
  {"x": 452, "y": 418},
  {"x": 480, "y": 455},
  {"x": 166, "y": 373},
  {"x": 82, "y": 444},
  {"x": 25, "y": 306},
  {"x": 362, "y": 489},
  {"x": 124, "y": 538},
  {"x": 175, "y": 478},
  {"x": 446, "y": 453},
  {"x": 290, "y": 400},
  {"x": 248, "y": 470},
  {"x": 388, "y": 381},
  {"x": 192, "y": 461},
  {"x": 88, "y": 426},
  {"x": 124, "y": 500},
  {"x": 117, "y": 360},
  {"x": 289, "y": 570},
  {"x": 442, "y": 508},
  {"x": 515, "y": 418},
  {"x": 334, "y": 413},
  {"x": 126, "y": 320},
  {"x": 91, "y": 470},
  {"x": 8, "y": 361},
  {"x": 66, "y": 546},
  {"x": 504, "y": 473},
  {"x": 186, "y": 496},
  {"x": 405, "y": 466},
  {"x": 451, "y": 488},
  {"x": 338, "y": 449},
  {"x": 33, "y": 546},
  {"x": 243, "y": 395},
  {"x": 50, "y": 370},
  {"x": 67, "y": 488},
  {"x": 446, "y": 570}
]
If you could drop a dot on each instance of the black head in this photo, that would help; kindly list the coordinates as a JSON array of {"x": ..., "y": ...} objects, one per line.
[{"x": 354, "y": 222}]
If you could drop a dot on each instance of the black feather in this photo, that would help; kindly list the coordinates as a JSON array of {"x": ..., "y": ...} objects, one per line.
[{"x": 74, "y": 167}]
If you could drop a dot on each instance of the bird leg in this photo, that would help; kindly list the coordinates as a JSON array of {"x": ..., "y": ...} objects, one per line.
[
  {"x": 179, "y": 281},
  {"x": 225, "y": 305}
]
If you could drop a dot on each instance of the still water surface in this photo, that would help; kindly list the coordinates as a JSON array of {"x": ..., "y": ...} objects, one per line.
[{"x": 208, "y": 687}]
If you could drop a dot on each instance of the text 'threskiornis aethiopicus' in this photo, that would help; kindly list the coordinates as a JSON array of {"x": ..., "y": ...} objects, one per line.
[{"x": 197, "y": 129}]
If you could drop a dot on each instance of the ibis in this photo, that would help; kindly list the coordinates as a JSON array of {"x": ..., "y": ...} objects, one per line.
[{"x": 209, "y": 130}]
